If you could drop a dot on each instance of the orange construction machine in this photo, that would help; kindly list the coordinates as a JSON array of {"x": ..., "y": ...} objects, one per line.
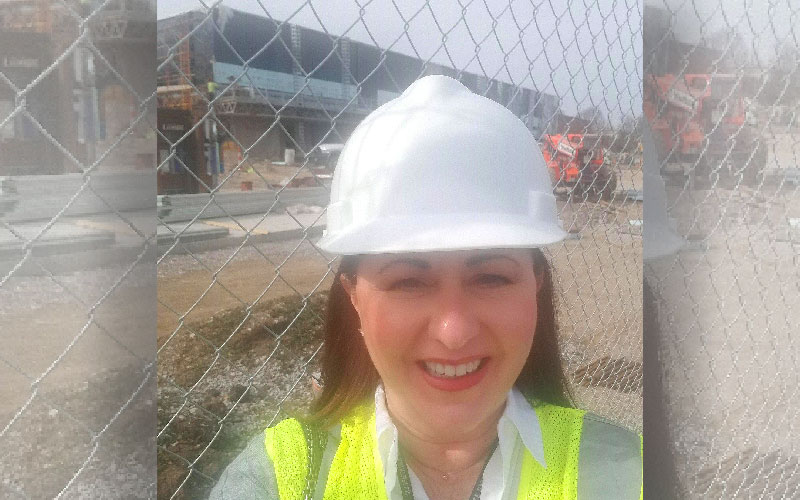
[
  {"x": 576, "y": 162},
  {"x": 699, "y": 122}
]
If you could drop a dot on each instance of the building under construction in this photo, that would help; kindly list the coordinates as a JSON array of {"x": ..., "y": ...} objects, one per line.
[
  {"x": 87, "y": 102},
  {"x": 302, "y": 88}
]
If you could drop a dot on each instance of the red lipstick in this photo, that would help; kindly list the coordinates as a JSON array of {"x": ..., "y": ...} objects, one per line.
[{"x": 457, "y": 383}]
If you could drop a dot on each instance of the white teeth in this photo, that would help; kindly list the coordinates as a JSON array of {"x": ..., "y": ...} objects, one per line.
[{"x": 441, "y": 370}]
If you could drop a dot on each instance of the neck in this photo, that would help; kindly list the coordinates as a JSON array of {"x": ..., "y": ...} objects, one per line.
[{"x": 427, "y": 452}]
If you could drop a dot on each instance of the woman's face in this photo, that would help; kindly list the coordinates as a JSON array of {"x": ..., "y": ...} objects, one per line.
[{"x": 448, "y": 332}]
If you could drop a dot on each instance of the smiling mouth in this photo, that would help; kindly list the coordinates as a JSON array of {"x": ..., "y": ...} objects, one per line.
[{"x": 452, "y": 371}]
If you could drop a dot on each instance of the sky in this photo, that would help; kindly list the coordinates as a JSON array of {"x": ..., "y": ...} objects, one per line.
[
  {"x": 764, "y": 24},
  {"x": 586, "y": 56}
]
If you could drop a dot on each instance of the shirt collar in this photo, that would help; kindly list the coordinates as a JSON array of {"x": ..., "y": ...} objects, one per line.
[
  {"x": 519, "y": 419},
  {"x": 386, "y": 433}
]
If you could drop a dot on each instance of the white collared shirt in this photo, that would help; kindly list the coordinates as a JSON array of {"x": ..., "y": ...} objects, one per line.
[{"x": 518, "y": 427}]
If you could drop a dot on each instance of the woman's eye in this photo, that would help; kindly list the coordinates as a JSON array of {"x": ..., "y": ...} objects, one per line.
[
  {"x": 407, "y": 284},
  {"x": 491, "y": 280}
]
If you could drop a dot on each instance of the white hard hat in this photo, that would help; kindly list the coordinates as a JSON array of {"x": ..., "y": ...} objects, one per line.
[
  {"x": 659, "y": 238},
  {"x": 440, "y": 168}
]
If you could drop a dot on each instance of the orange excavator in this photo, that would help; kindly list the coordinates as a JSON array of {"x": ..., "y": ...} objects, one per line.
[
  {"x": 577, "y": 164},
  {"x": 700, "y": 125}
]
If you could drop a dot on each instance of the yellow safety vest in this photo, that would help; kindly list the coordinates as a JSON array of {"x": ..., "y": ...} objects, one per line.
[{"x": 586, "y": 457}]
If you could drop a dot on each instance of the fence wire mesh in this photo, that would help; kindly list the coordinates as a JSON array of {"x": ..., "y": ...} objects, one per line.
[
  {"x": 255, "y": 100},
  {"x": 77, "y": 249},
  {"x": 721, "y": 96},
  {"x": 252, "y": 106}
]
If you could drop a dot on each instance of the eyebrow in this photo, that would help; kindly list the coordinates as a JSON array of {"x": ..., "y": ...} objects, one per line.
[
  {"x": 473, "y": 261},
  {"x": 418, "y": 263},
  {"x": 485, "y": 257}
]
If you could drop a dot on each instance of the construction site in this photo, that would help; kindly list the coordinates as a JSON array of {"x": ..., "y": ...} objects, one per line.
[
  {"x": 98, "y": 92},
  {"x": 716, "y": 120},
  {"x": 240, "y": 326},
  {"x": 253, "y": 110},
  {"x": 259, "y": 121},
  {"x": 301, "y": 89},
  {"x": 722, "y": 108}
]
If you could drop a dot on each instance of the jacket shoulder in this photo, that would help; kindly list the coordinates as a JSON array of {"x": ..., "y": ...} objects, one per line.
[
  {"x": 609, "y": 461},
  {"x": 250, "y": 476},
  {"x": 596, "y": 427}
]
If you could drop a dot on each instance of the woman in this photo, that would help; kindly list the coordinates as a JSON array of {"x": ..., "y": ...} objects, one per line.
[{"x": 441, "y": 371}]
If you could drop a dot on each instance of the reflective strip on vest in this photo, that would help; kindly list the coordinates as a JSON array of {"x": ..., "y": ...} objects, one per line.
[{"x": 586, "y": 457}]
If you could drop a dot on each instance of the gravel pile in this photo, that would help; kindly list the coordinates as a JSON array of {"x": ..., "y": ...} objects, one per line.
[
  {"x": 92, "y": 442},
  {"x": 215, "y": 395}
]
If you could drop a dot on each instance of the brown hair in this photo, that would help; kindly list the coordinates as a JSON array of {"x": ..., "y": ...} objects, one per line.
[{"x": 349, "y": 377}]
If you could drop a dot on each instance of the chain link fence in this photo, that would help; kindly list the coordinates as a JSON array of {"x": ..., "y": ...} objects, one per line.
[
  {"x": 77, "y": 249},
  {"x": 255, "y": 100},
  {"x": 721, "y": 96}
]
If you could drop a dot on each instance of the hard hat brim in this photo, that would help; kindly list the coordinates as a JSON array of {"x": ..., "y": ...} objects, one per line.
[{"x": 424, "y": 234}]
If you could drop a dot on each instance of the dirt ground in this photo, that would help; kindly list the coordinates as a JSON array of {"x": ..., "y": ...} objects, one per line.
[
  {"x": 79, "y": 393},
  {"x": 727, "y": 305},
  {"x": 263, "y": 174},
  {"x": 292, "y": 268},
  {"x": 210, "y": 406},
  {"x": 219, "y": 399}
]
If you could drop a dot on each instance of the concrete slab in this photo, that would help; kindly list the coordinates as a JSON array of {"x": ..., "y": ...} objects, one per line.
[
  {"x": 129, "y": 228},
  {"x": 77, "y": 243},
  {"x": 30, "y": 198},
  {"x": 62, "y": 237},
  {"x": 212, "y": 234},
  {"x": 260, "y": 225},
  {"x": 185, "y": 207},
  {"x": 198, "y": 231}
]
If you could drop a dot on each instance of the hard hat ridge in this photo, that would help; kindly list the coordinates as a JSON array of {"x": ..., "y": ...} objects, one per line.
[{"x": 440, "y": 168}]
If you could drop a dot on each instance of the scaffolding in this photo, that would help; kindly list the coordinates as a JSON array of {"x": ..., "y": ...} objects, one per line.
[{"x": 175, "y": 85}]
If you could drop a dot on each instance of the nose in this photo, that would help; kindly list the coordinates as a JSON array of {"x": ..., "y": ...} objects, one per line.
[{"x": 455, "y": 322}]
